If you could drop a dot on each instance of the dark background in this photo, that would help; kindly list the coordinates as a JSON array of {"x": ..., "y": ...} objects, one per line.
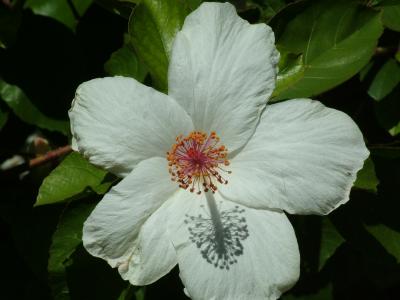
[{"x": 47, "y": 60}]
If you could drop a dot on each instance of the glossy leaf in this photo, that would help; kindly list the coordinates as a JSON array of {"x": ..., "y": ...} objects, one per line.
[
  {"x": 27, "y": 112},
  {"x": 66, "y": 238},
  {"x": 330, "y": 241},
  {"x": 124, "y": 62},
  {"x": 389, "y": 238},
  {"x": 66, "y": 12},
  {"x": 291, "y": 69},
  {"x": 152, "y": 26},
  {"x": 385, "y": 80},
  {"x": 336, "y": 38},
  {"x": 366, "y": 177},
  {"x": 70, "y": 179}
]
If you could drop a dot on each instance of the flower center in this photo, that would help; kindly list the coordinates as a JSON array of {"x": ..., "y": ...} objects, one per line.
[{"x": 195, "y": 162}]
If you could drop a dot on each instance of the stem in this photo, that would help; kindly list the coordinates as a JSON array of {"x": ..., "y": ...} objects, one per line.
[
  {"x": 6, "y": 3},
  {"x": 49, "y": 156}
]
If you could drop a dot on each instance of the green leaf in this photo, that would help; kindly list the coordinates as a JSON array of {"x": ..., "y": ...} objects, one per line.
[
  {"x": 388, "y": 112},
  {"x": 391, "y": 14},
  {"x": 122, "y": 8},
  {"x": 66, "y": 238},
  {"x": 395, "y": 130},
  {"x": 70, "y": 179},
  {"x": 336, "y": 38},
  {"x": 131, "y": 292},
  {"x": 366, "y": 177},
  {"x": 140, "y": 294},
  {"x": 193, "y": 4},
  {"x": 127, "y": 293},
  {"x": 10, "y": 19},
  {"x": 385, "y": 80},
  {"x": 27, "y": 112},
  {"x": 291, "y": 69},
  {"x": 125, "y": 63},
  {"x": 365, "y": 70},
  {"x": 389, "y": 238},
  {"x": 152, "y": 26},
  {"x": 3, "y": 118},
  {"x": 269, "y": 8},
  {"x": 330, "y": 241},
  {"x": 66, "y": 12}
]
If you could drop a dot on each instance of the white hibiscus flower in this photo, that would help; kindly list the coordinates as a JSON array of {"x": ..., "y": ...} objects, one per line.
[{"x": 236, "y": 164}]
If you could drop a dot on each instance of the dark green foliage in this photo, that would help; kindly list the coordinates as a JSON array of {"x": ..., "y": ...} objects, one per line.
[{"x": 343, "y": 53}]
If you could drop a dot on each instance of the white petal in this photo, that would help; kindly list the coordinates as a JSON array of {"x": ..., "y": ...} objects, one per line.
[
  {"x": 222, "y": 71},
  {"x": 232, "y": 252},
  {"x": 153, "y": 256},
  {"x": 303, "y": 158},
  {"x": 117, "y": 122},
  {"x": 114, "y": 229}
]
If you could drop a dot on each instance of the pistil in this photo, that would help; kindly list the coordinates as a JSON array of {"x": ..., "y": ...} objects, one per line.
[{"x": 197, "y": 161}]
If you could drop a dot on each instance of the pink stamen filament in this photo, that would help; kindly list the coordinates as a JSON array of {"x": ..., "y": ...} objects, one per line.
[{"x": 194, "y": 162}]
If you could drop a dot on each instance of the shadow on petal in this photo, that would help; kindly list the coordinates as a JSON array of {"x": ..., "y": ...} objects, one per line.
[{"x": 218, "y": 234}]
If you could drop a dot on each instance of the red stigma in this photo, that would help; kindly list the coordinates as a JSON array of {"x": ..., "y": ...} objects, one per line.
[{"x": 195, "y": 162}]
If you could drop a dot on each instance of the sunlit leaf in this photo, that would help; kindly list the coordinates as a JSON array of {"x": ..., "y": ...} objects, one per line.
[
  {"x": 330, "y": 241},
  {"x": 389, "y": 238},
  {"x": 385, "y": 80},
  {"x": 152, "y": 26},
  {"x": 27, "y": 112},
  {"x": 66, "y": 12},
  {"x": 71, "y": 178},
  {"x": 336, "y": 38},
  {"x": 366, "y": 177},
  {"x": 66, "y": 238},
  {"x": 124, "y": 62}
]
